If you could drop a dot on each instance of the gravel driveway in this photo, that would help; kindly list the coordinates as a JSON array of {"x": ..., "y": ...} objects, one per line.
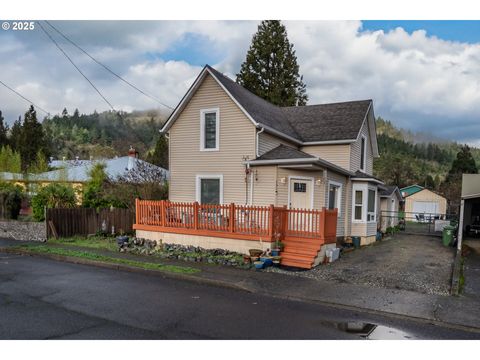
[{"x": 407, "y": 262}]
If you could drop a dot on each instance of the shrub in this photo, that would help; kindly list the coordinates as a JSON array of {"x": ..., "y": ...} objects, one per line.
[
  {"x": 52, "y": 196},
  {"x": 10, "y": 200}
]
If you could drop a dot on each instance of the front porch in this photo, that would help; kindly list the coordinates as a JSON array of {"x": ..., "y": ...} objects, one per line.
[{"x": 239, "y": 228}]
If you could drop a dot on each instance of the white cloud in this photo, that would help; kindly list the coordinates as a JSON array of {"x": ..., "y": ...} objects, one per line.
[{"x": 418, "y": 81}]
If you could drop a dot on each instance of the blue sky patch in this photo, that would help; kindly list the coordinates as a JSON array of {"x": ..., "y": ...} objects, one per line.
[{"x": 462, "y": 31}]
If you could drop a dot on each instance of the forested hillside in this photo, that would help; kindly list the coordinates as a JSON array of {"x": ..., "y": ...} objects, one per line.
[
  {"x": 104, "y": 134},
  {"x": 407, "y": 158}
]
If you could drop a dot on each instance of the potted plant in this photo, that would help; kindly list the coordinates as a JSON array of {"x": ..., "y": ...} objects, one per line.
[{"x": 278, "y": 247}]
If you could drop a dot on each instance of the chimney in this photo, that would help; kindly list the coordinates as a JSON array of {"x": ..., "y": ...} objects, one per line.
[
  {"x": 132, "y": 155},
  {"x": 132, "y": 152}
]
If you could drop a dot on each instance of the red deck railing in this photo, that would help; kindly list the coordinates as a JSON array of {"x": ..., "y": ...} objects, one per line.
[{"x": 266, "y": 223}]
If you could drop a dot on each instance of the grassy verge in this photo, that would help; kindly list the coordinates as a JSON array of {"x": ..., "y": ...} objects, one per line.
[
  {"x": 45, "y": 249},
  {"x": 94, "y": 242}
]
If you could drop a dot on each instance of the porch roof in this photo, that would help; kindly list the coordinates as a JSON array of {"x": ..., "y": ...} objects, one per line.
[
  {"x": 286, "y": 155},
  {"x": 361, "y": 176}
]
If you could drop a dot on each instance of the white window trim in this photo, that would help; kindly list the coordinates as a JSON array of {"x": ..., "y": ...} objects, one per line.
[
  {"x": 362, "y": 188},
  {"x": 202, "y": 129},
  {"x": 363, "y": 169},
  {"x": 290, "y": 178},
  {"x": 375, "y": 205},
  {"x": 199, "y": 177},
  {"x": 340, "y": 189}
]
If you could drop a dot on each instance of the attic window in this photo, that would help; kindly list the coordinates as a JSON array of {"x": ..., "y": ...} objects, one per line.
[
  {"x": 209, "y": 129},
  {"x": 363, "y": 152}
]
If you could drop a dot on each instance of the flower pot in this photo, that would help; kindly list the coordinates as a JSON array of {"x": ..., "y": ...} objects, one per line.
[
  {"x": 122, "y": 240},
  {"x": 255, "y": 252},
  {"x": 267, "y": 261},
  {"x": 259, "y": 264},
  {"x": 276, "y": 263},
  {"x": 275, "y": 252}
]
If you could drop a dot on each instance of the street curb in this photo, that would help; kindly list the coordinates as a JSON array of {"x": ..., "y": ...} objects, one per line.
[
  {"x": 229, "y": 285},
  {"x": 121, "y": 267},
  {"x": 457, "y": 268}
]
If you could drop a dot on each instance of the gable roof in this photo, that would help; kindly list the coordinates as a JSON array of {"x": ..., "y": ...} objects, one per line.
[
  {"x": 387, "y": 191},
  {"x": 410, "y": 190},
  {"x": 324, "y": 123},
  {"x": 284, "y": 152}
]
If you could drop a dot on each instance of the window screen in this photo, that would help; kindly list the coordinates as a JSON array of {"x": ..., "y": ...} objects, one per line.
[
  {"x": 333, "y": 196},
  {"x": 362, "y": 154},
  {"x": 210, "y": 130},
  {"x": 210, "y": 191},
  {"x": 358, "y": 204}
]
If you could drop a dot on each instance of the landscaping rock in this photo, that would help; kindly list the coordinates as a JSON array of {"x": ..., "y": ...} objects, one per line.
[{"x": 23, "y": 230}]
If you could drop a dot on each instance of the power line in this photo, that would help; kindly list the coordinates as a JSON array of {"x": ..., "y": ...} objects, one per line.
[
  {"x": 106, "y": 67},
  {"x": 76, "y": 67},
  {"x": 24, "y": 98}
]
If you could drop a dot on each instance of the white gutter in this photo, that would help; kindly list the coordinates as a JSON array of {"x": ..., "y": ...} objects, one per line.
[
  {"x": 328, "y": 142},
  {"x": 280, "y": 134},
  {"x": 258, "y": 138}
]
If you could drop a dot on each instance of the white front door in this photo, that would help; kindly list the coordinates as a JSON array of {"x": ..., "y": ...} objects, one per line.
[{"x": 301, "y": 193}]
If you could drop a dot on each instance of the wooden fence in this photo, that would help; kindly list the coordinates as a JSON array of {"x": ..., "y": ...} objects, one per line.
[
  {"x": 266, "y": 223},
  {"x": 84, "y": 221}
]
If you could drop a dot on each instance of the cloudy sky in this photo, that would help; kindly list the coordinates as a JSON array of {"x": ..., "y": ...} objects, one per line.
[{"x": 423, "y": 76}]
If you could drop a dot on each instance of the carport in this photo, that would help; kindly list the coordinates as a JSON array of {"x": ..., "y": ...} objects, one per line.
[{"x": 469, "y": 226}]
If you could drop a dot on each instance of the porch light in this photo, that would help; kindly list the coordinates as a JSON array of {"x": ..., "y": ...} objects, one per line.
[
  {"x": 283, "y": 180},
  {"x": 319, "y": 182}
]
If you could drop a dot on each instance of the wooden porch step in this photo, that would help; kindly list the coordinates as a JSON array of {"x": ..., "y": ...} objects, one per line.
[
  {"x": 297, "y": 263},
  {"x": 297, "y": 256},
  {"x": 301, "y": 250}
]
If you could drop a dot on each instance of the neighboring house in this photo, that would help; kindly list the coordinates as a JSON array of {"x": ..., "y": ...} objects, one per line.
[
  {"x": 420, "y": 201},
  {"x": 390, "y": 200},
  {"x": 469, "y": 221},
  {"x": 76, "y": 172},
  {"x": 228, "y": 145}
]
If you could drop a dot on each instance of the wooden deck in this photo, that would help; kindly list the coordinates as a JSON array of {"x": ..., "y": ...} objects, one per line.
[{"x": 303, "y": 231}]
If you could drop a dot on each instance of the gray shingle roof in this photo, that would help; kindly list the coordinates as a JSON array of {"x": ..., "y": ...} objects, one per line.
[
  {"x": 324, "y": 122},
  {"x": 362, "y": 175},
  {"x": 284, "y": 152},
  {"x": 386, "y": 190}
]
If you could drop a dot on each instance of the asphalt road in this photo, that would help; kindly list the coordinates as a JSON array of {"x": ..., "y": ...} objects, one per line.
[{"x": 45, "y": 299}]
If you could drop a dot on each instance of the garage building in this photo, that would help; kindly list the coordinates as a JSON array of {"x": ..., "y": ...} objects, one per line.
[{"x": 421, "y": 202}]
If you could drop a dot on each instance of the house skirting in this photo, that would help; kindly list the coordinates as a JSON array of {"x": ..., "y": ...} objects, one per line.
[
  {"x": 206, "y": 242},
  {"x": 367, "y": 240}
]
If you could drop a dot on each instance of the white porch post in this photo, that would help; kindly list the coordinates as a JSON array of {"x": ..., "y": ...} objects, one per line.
[{"x": 460, "y": 226}]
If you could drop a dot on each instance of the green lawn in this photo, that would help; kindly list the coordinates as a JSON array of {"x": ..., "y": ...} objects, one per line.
[
  {"x": 85, "y": 254},
  {"x": 94, "y": 242}
]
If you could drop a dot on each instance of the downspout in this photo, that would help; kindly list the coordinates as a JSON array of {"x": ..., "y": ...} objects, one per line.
[
  {"x": 247, "y": 173},
  {"x": 258, "y": 137}
]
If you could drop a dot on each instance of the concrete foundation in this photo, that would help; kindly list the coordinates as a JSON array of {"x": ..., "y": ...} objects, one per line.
[
  {"x": 206, "y": 242},
  {"x": 321, "y": 254}
]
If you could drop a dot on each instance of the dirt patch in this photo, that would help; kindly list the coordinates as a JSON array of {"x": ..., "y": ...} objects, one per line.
[{"x": 407, "y": 262}]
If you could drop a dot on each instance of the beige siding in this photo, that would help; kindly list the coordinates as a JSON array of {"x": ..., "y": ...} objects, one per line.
[
  {"x": 336, "y": 154},
  {"x": 237, "y": 139},
  {"x": 282, "y": 188},
  {"x": 426, "y": 195},
  {"x": 332, "y": 176},
  {"x": 264, "y": 185},
  {"x": 267, "y": 142},
  {"x": 355, "y": 152}
]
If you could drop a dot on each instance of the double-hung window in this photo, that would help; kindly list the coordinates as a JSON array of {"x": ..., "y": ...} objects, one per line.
[
  {"x": 364, "y": 203},
  {"x": 209, "y": 129},
  {"x": 358, "y": 205}
]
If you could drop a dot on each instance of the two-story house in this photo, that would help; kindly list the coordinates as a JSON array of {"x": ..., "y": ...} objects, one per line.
[{"x": 228, "y": 145}]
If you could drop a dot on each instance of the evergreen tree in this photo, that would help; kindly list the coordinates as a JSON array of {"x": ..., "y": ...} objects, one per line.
[
  {"x": 464, "y": 163},
  {"x": 159, "y": 156},
  {"x": 3, "y": 131},
  {"x": 16, "y": 134},
  {"x": 270, "y": 69},
  {"x": 32, "y": 139}
]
